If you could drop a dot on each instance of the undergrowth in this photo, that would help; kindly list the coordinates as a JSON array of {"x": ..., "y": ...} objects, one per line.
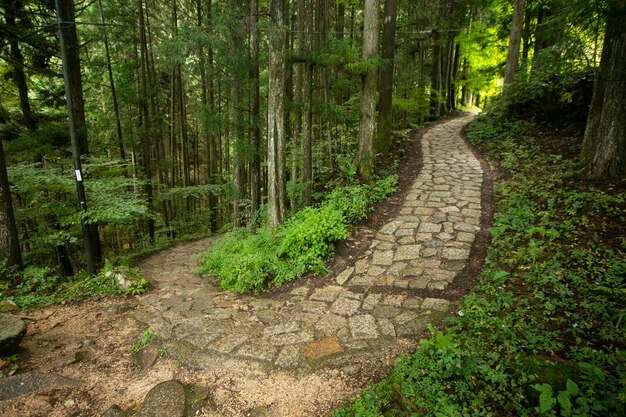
[
  {"x": 544, "y": 330},
  {"x": 42, "y": 286},
  {"x": 245, "y": 262}
]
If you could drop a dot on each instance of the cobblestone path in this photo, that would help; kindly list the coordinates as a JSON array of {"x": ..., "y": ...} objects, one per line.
[{"x": 375, "y": 307}]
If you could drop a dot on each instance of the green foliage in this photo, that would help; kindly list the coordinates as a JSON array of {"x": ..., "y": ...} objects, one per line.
[
  {"x": 143, "y": 341},
  {"x": 245, "y": 262},
  {"x": 42, "y": 286},
  {"x": 543, "y": 332}
]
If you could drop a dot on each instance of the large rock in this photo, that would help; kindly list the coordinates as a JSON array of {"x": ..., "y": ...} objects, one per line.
[
  {"x": 34, "y": 381},
  {"x": 167, "y": 399},
  {"x": 9, "y": 307},
  {"x": 12, "y": 330}
]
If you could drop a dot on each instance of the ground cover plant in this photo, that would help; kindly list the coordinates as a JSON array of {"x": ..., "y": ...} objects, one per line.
[
  {"x": 544, "y": 330},
  {"x": 252, "y": 262}
]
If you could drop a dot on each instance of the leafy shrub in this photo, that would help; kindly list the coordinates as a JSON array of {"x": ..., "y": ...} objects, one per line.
[{"x": 245, "y": 262}]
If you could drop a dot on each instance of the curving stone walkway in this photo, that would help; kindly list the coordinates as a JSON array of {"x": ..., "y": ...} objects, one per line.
[{"x": 372, "y": 305}]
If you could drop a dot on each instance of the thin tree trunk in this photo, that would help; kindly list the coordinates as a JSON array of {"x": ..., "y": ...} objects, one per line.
[
  {"x": 367, "y": 126},
  {"x": 435, "y": 108},
  {"x": 9, "y": 243},
  {"x": 307, "y": 125},
  {"x": 116, "y": 110},
  {"x": 145, "y": 137}
]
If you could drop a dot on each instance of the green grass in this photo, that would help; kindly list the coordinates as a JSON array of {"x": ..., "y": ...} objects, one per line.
[
  {"x": 245, "y": 262},
  {"x": 543, "y": 332}
]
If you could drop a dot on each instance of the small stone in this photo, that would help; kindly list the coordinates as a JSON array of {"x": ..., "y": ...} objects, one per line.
[
  {"x": 69, "y": 403},
  {"x": 393, "y": 300},
  {"x": 12, "y": 331},
  {"x": 390, "y": 227},
  {"x": 386, "y": 328},
  {"x": 313, "y": 306}
]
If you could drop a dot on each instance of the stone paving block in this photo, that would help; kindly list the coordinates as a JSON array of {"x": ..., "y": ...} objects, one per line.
[
  {"x": 330, "y": 324},
  {"x": 375, "y": 271},
  {"x": 428, "y": 227},
  {"x": 280, "y": 329},
  {"x": 390, "y": 228},
  {"x": 406, "y": 240},
  {"x": 288, "y": 357},
  {"x": 393, "y": 300},
  {"x": 407, "y": 253},
  {"x": 438, "y": 285},
  {"x": 386, "y": 328},
  {"x": 418, "y": 283},
  {"x": 455, "y": 253},
  {"x": 329, "y": 293},
  {"x": 435, "y": 304},
  {"x": 361, "y": 266},
  {"x": 258, "y": 350},
  {"x": 363, "y": 280},
  {"x": 371, "y": 301},
  {"x": 322, "y": 348},
  {"x": 363, "y": 327},
  {"x": 383, "y": 257},
  {"x": 386, "y": 312},
  {"x": 291, "y": 338},
  {"x": 344, "y": 276},
  {"x": 229, "y": 342},
  {"x": 345, "y": 306},
  {"x": 465, "y": 237}
]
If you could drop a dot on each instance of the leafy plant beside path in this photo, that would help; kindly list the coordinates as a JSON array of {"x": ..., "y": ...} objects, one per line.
[
  {"x": 245, "y": 262},
  {"x": 544, "y": 330}
]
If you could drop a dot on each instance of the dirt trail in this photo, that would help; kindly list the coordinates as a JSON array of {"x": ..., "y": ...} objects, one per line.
[{"x": 295, "y": 352}]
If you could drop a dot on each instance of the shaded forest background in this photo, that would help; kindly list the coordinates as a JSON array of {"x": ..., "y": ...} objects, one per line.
[{"x": 194, "y": 117}]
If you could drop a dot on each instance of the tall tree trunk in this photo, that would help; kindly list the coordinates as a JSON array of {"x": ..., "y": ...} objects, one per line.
[
  {"x": 435, "y": 108},
  {"x": 116, "y": 109},
  {"x": 307, "y": 125},
  {"x": 514, "y": 42},
  {"x": 386, "y": 77},
  {"x": 9, "y": 243},
  {"x": 276, "y": 116},
  {"x": 604, "y": 146},
  {"x": 73, "y": 67},
  {"x": 367, "y": 126},
  {"x": 145, "y": 114},
  {"x": 12, "y": 10},
  {"x": 255, "y": 130}
]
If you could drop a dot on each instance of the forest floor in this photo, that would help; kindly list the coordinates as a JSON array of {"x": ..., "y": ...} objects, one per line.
[{"x": 301, "y": 350}]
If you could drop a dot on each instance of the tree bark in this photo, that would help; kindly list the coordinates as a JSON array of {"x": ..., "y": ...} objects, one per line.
[
  {"x": 604, "y": 147},
  {"x": 435, "y": 107},
  {"x": 276, "y": 117},
  {"x": 367, "y": 126},
  {"x": 385, "y": 115},
  {"x": 9, "y": 243},
  {"x": 514, "y": 42},
  {"x": 307, "y": 125},
  {"x": 255, "y": 130}
]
